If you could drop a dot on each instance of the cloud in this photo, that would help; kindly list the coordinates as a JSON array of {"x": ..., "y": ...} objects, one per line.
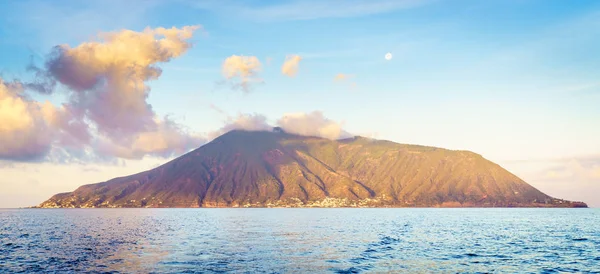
[
  {"x": 290, "y": 66},
  {"x": 6, "y": 164},
  {"x": 108, "y": 77},
  {"x": 341, "y": 77},
  {"x": 49, "y": 22},
  {"x": 42, "y": 82},
  {"x": 107, "y": 107},
  {"x": 242, "y": 71},
  {"x": 218, "y": 110},
  {"x": 247, "y": 122},
  {"x": 583, "y": 169},
  {"x": 167, "y": 140},
  {"x": 312, "y": 124},
  {"x": 573, "y": 178},
  {"x": 25, "y": 132},
  {"x": 331, "y": 54},
  {"x": 306, "y": 124},
  {"x": 29, "y": 128},
  {"x": 309, "y": 10}
]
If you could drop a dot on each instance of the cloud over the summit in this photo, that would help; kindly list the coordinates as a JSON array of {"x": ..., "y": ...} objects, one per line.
[
  {"x": 290, "y": 66},
  {"x": 247, "y": 122},
  {"x": 242, "y": 71},
  {"x": 312, "y": 124},
  {"x": 306, "y": 124},
  {"x": 106, "y": 80}
]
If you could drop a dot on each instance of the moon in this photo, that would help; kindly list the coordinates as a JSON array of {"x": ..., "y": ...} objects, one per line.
[{"x": 388, "y": 56}]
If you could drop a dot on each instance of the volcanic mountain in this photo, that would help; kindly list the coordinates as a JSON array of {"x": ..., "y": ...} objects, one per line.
[{"x": 277, "y": 169}]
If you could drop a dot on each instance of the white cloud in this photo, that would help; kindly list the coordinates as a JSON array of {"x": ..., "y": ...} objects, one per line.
[
  {"x": 306, "y": 124},
  {"x": 312, "y": 124},
  {"x": 247, "y": 122},
  {"x": 242, "y": 71},
  {"x": 290, "y": 66}
]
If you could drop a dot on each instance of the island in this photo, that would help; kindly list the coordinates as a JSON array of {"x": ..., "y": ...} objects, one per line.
[{"x": 277, "y": 169}]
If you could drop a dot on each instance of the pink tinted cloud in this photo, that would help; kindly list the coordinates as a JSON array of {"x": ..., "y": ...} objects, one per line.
[{"x": 107, "y": 81}]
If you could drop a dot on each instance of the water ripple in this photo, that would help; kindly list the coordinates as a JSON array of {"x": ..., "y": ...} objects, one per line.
[{"x": 299, "y": 240}]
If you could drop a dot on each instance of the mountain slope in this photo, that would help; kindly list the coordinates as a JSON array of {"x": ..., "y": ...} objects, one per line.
[{"x": 256, "y": 169}]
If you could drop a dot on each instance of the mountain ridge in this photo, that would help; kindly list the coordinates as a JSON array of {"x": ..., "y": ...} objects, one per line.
[{"x": 279, "y": 169}]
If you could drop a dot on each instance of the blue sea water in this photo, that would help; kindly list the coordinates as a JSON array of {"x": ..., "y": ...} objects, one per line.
[{"x": 300, "y": 240}]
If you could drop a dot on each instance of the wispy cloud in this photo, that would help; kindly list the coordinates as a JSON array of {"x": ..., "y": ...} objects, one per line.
[
  {"x": 326, "y": 54},
  {"x": 574, "y": 178},
  {"x": 192, "y": 69},
  {"x": 567, "y": 42},
  {"x": 311, "y": 9},
  {"x": 218, "y": 110},
  {"x": 558, "y": 160},
  {"x": 50, "y": 20},
  {"x": 268, "y": 61},
  {"x": 342, "y": 76},
  {"x": 584, "y": 169},
  {"x": 345, "y": 78},
  {"x": 578, "y": 179},
  {"x": 582, "y": 88}
]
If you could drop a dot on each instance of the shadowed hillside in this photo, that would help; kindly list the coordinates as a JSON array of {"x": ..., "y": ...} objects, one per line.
[{"x": 259, "y": 169}]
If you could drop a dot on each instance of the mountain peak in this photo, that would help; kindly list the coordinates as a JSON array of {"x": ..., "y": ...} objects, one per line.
[{"x": 278, "y": 130}]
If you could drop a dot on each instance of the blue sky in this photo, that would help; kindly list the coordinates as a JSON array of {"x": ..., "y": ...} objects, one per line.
[{"x": 516, "y": 81}]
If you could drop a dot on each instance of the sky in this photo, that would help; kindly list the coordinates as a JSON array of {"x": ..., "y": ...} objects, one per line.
[{"x": 97, "y": 89}]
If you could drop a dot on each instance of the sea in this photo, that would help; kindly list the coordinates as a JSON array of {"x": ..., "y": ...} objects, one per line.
[{"x": 298, "y": 240}]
